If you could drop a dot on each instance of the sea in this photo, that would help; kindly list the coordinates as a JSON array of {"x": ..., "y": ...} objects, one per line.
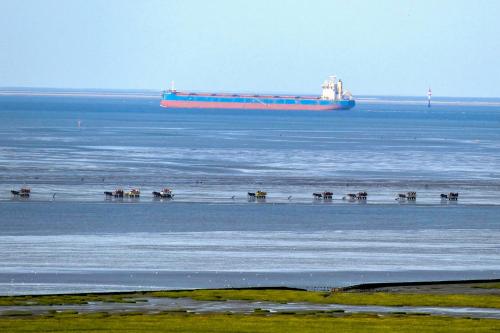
[{"x": 71, "y": 146}]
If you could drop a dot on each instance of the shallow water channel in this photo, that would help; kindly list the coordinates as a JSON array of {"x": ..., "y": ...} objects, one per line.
[{"x": 155, "y": 304}]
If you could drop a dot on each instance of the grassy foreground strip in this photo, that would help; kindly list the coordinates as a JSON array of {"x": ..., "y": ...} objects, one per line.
[
  {"x": 350, "y": 298},
  {"x": 289, "y": 323}
]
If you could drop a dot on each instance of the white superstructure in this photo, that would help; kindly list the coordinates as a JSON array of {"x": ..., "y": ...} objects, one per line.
[{"x": 333, "y": 90}]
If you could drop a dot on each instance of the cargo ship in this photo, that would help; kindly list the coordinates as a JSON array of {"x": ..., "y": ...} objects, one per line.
[{"x": 334, "y": 97}]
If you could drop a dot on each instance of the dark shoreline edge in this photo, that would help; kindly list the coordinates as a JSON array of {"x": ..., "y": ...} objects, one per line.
[
  {"x": 370, "y": 286},
  {"x": 357, "y": 287}
]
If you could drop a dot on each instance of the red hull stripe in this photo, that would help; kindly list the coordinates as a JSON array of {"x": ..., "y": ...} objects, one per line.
[{"x": 251, "y": 106}]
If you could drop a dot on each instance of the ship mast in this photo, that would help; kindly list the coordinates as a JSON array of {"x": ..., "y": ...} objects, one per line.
[{"x": 429, "y": 95}]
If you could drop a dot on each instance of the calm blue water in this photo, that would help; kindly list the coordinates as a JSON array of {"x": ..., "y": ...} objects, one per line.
[
  {"x": 381, "y": 148},
  {"x": 206, "y": 238}
]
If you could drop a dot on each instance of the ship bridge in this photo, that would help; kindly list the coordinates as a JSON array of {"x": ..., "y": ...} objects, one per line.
[{"x": 333, "y": 90}]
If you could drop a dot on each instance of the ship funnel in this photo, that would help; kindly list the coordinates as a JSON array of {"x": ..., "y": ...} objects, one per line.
[{"x": 339, "y": 89}]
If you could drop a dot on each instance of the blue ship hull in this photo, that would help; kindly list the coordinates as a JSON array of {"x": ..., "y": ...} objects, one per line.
[{"x": 174, "y": 99}]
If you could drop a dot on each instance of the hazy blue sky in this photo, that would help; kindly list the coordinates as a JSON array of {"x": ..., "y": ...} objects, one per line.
[{"x": 377, "y": 47}]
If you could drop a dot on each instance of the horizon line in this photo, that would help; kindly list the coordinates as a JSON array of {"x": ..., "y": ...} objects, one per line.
[{"x": 4, "y": 90}]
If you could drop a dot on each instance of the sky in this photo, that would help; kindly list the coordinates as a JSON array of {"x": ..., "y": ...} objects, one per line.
[{"x": 379, "y": 47}]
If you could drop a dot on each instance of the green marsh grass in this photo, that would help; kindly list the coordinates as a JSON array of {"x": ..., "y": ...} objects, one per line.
[
  {"x": 495, "y": 285},
  {"x": 348, "y": 298},
  {"x": 272, "y": 295}
]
